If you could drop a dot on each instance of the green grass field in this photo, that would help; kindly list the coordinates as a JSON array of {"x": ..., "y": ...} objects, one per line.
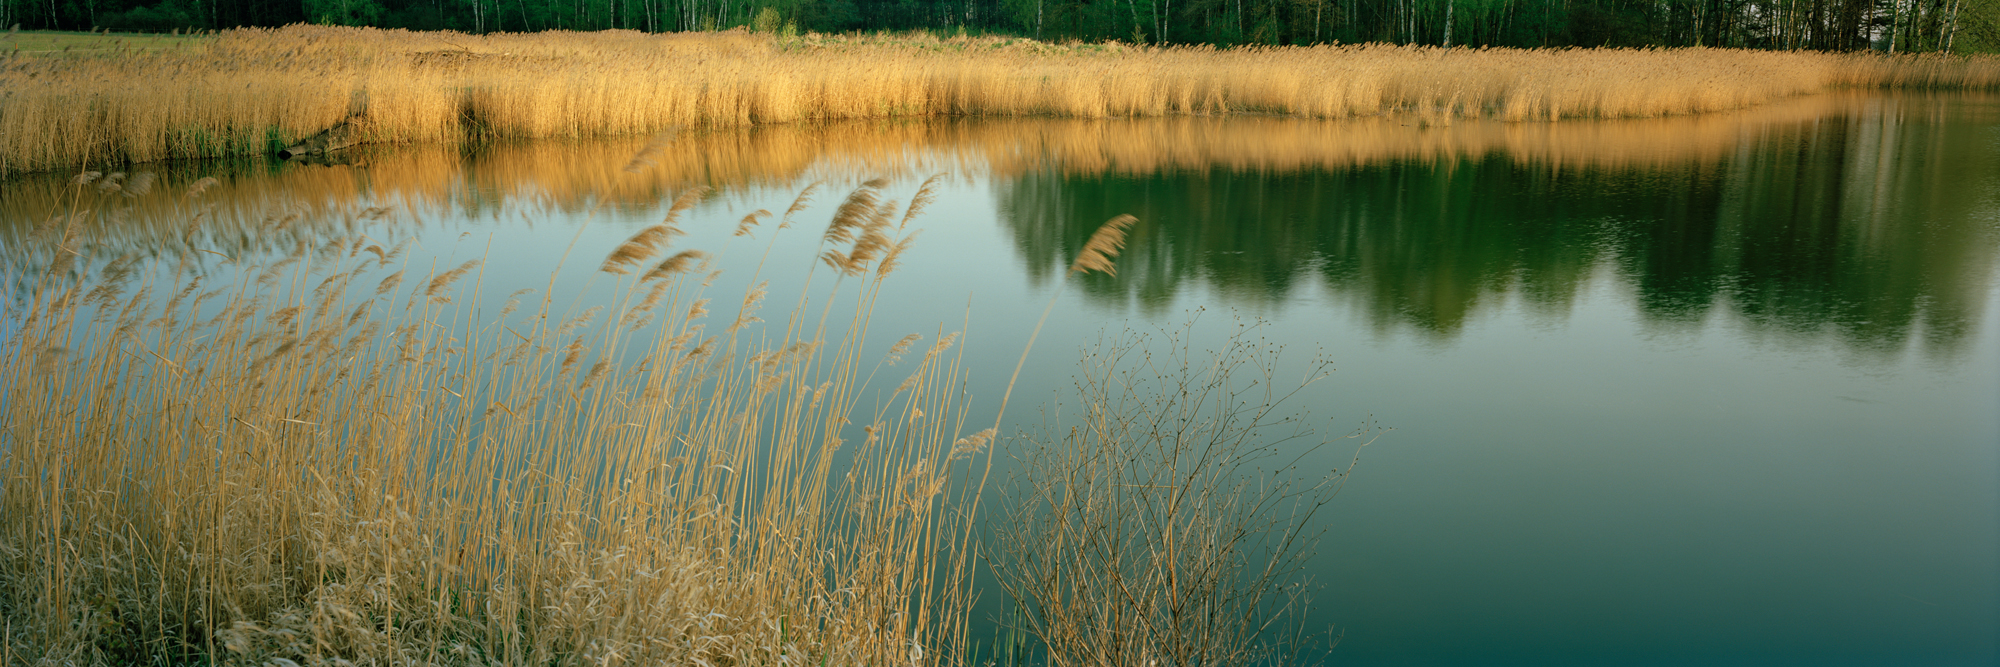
[{"x": 45, "y": 43}]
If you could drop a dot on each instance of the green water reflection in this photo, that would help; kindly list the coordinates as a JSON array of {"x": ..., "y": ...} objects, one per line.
[{"x": 1861, "y": 228}]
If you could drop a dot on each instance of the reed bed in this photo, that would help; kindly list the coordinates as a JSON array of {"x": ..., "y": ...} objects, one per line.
[
  {"x": 254, "y": 90},
  {"x": 339, "y": 458}
]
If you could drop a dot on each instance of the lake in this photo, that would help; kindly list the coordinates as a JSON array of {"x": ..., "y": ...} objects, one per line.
[{"x": 1720, "y": 389}]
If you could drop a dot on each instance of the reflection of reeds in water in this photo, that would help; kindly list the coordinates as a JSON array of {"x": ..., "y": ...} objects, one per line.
[
  {"x": 248, "y": 209},
  {"x": 239, "y": 213},
  {"x": 1139, "y": 147},
  {"x": 247, "y": 90},
  {"x": 568, "y": 175},
  {"x": 312, "y": 464}
]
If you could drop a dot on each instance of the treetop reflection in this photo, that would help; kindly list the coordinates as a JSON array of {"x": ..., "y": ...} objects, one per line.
[{"x": 1869, "y": 223}]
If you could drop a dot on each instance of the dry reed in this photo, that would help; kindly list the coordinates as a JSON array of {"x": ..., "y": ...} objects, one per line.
[
  {"x": 282, "y": 469},
  {"x": 246, "y": 91},
  {"x": 1100, "y": 253}
]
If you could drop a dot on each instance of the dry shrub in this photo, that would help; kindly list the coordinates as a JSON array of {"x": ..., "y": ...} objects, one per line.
[{"x": 1165, "y": 515}]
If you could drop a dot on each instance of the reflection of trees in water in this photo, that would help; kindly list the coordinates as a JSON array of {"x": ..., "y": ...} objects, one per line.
[
  {"x": 1413, "y": 244},
  {"x": 1864, "y": 227},
  {"x": 1871, "y": 226}
]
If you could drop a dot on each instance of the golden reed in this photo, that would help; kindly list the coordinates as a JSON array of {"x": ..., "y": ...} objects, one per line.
[
  {"x": 339, "y": 458},
  {"x": 245, "y": 91}
]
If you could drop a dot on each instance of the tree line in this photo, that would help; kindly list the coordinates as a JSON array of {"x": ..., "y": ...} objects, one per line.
[{"x": 1827, "y": 25}]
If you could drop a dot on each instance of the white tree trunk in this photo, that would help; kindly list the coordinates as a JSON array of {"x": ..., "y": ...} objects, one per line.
[{"x": 1449, "y": 7}]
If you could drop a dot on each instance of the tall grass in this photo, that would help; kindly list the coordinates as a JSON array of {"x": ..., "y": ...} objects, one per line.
[
  {"x": 253, "y": 90},
  {"x": 341, "y": 457}
]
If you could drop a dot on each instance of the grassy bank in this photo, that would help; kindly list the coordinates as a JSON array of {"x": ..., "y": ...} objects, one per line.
[{"x": 252, "y": 91}]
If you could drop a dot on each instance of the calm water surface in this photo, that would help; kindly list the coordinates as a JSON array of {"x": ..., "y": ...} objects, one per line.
[{"x": 1720, "y": 390}]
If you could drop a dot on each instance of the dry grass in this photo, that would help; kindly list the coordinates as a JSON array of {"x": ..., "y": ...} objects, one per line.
[
  {"x": 332, "y": 458},
  {"x": 246, "y": 91}
]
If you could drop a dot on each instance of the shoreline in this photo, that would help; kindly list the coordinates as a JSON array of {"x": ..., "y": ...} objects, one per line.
[{"x": 256, "y": 91}]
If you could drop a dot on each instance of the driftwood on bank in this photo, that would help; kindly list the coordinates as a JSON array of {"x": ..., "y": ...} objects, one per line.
[
  {"x": 348, "y": 132},
  {"x": 342, "y": 135}
]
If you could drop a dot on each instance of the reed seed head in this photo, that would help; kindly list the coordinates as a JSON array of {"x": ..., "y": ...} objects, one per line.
[
  {"x": 743, "y": 227},
  {"x": 1101, "y": 251},
  {"x": 681, "y": 262},
  {"x": 641, "y": 247}
]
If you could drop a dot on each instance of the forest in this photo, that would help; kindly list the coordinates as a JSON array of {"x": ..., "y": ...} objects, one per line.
[{"x": 1895, "y": 26}]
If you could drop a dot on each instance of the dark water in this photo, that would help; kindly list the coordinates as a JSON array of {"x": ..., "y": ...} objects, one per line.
[
  {"x": 1722, "y": 390},
  {"x": 1732, "y": 411}
]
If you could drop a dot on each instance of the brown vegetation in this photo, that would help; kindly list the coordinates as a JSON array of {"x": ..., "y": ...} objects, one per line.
[
  {"x": 336, "y": 459},
  {"x": 313, "y": 464},
  {"x": 253, "y": 91}
]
